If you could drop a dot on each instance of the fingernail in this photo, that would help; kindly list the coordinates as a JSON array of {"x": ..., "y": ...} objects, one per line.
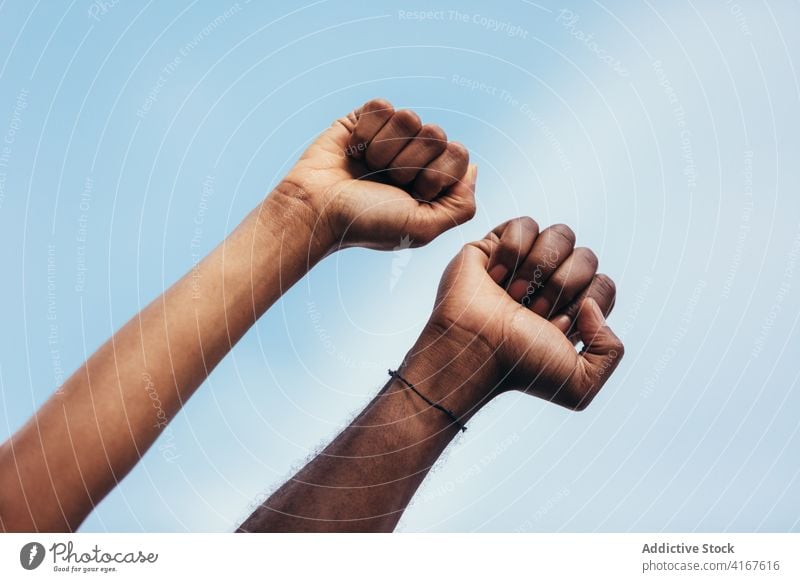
[
  {"x": 472, "y": 176},
  {"x": 498, "y": 273},
  {"x": 541, "y": 306},
  {"x": 562, "y": 322},
  {"x": 518, "y": 288}
]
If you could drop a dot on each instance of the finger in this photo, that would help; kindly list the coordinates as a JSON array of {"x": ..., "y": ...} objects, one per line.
[
  {"x": 426, "y": 146},
  {"x": 569, "y": 279},
  {"x": 370, "y": 118},
  {"x": 391, "y": 138},
  {"x": 551, "y": 248},
  {"x": 600, "y": 356},
  {"x": 442, "y": 172},
  {"x": 515, "y": 239},
  {"x": 602, "y": 290},
  {"x": 456, "y": 206}
]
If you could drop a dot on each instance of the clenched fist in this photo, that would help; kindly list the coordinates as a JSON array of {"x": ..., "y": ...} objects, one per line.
[
  {"x": 509, "y": 311},
  {"x": 378, "y": 175}
]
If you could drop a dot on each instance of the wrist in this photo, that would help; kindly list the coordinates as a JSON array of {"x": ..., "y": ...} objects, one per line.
[
  {"x": 289, "y": 214},
  {"x": 273, "y": 248},
  {"x": 452, "y": 368}
]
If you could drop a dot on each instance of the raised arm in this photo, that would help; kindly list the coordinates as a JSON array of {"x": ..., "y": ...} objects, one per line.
[
  {"x": 504, "y": 312},
  {"x": 93, "y": 430}
]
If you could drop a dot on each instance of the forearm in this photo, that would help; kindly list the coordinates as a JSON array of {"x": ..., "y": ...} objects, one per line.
[
  {"x": 97, "y": 426},
  {"x": 365, "y": 479}
]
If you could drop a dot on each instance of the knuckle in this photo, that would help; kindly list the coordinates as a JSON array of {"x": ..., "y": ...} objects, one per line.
[
  {"x": 378, "y": 105},
  {"x": 605, "y": 285},
  {"x": 408, "y": 120},
  {"x": 515, "y": 227},
  {"x": 458, "y": 151},
  {"x": 563, "y": 231},
  {"x": 528, "y": 223},
  {"x": 513, "y": 235},
  {"x": 433, "y": 133},
  {"x": 521, "y": 225},
  {"x": 588, "y": 255}
]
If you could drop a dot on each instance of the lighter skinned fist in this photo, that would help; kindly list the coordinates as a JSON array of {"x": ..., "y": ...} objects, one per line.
[
  {"x": 523, "y": 299},
  {"x": 379, "y": 175}
]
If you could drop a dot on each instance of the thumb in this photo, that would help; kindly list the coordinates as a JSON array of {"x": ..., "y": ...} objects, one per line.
[
  {"x": 602, "y": 349},
  {"x": 338, "y": 134},
  {"x": 453, "y": 207}
]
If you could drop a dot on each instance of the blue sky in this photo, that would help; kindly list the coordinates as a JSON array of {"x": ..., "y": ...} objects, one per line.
[{"x": 667, "y": 136}]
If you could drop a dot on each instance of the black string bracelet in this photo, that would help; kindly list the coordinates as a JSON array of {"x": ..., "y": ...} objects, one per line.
[{"x": 449, "y": 413}]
